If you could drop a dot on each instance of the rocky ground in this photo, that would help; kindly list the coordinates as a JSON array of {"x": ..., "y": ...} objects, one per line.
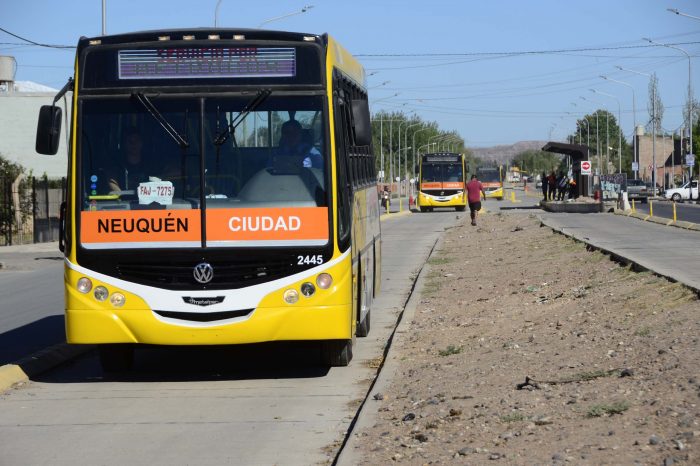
[{"x": 528, "y": 349}]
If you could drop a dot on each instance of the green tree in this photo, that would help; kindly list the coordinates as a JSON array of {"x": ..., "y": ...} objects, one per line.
[
  {"x": 537, "y": 161},
  {"x": 601, "y": 133},
  {"x": 415, "y": 134}
]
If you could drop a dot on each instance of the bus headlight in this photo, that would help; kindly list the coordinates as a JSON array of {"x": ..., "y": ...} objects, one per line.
[
  {"x": 308, "y": 289},
  {"x": 84, "y": 285},
  {"x": 117, "y": 299},
  {"x": 291, "y": 296},
  {"x": 324, "y": 281},
  {"x": 101, "y": 293}
]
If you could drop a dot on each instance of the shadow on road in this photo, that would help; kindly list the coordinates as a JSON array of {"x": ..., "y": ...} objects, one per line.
[
  {"x": 279, "y": 360},
  {"x": 28, "y": 339}
]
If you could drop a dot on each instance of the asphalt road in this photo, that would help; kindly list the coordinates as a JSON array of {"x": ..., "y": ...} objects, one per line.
[
  {"x": 258, "y": 404},
  {"x": 31, "y": 307},
  {"x": 684, "y": 211}
]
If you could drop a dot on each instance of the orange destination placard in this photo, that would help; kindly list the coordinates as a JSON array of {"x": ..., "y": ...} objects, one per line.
[
  {"x": 140, "y": 226},
  {"x": 453, "y": 185},
  {"x": 434, "y": 185},
  {"x": 285, "y": 225}
]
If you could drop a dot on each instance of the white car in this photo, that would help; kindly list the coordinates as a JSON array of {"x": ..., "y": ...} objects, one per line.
[{"x": 682, "y": 193}]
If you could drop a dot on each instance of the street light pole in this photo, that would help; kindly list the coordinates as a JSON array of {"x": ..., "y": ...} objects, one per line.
[
  {"x": 216, "y": 13},
  {"x": 634, "y": 127},
  {"x": 653, "y": 126},
  {"x": 690, "y": 99},
  {"x": 619, "y": 128},
  {"x": 673, "y": 10},
  {"x": 276, "y": 18},
  {"x": 414, "y": 149}
]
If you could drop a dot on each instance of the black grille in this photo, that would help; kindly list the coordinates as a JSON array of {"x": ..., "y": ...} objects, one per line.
[
  {"x": 178, "y": 276},
  {"x": 204, "y": 316},
  {"x": 442, "y": 192}
]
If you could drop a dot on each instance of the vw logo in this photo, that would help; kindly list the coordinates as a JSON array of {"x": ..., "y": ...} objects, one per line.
[{"x": 203, "y": 272}]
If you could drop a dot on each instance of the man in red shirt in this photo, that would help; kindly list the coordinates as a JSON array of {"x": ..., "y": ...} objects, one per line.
[{"x": 474, "y": 192}]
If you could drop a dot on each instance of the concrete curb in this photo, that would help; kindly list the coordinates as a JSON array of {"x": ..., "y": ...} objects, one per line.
[
  {"x": 39, "y": 362},
  {"x": 394, "y": 215},
  {"x": 619, "y": 257},
  {"x": 368, "y": 411},
  {"x": 659, "y": 220}
]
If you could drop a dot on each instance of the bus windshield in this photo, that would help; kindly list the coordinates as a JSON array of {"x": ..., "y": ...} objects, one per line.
[
  {"x": 275, "y": 156},
  {"x": 489, "y": 175},
  {"x": 438, "y": 172}
]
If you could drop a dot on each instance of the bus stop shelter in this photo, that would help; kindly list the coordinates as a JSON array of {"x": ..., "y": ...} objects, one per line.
[{"x": 577, "y": 152}]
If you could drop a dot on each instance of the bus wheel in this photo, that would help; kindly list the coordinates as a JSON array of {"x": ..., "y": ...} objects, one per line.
[
  {"x": 423, "y": 209},
  {"x": 336, "y": 353},
  {"x": 461, "y": 208},
  {"x": 116, "y": 357}
]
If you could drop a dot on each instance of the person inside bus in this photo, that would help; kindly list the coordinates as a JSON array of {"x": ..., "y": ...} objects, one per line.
[
  {"x": 130, "y": 169},
  {"x": 297, "y": 142}
]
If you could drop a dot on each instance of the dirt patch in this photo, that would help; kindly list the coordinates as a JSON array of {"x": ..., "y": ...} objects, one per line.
[{"x": 528, "y": 349}]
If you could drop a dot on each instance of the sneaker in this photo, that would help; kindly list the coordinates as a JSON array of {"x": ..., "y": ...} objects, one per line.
[{"x": 474, "y": 222}]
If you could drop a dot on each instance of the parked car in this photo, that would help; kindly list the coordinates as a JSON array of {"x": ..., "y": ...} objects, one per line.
[
  {"x": 682, "y": 193},
  {"x": 637, "y": 190}
]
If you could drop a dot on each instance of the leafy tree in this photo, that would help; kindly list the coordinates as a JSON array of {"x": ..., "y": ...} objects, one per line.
[
  {"x": 599, "y": 133},
  {"x": 537, "y": 161},
  {"x": 388, "y": 126}
]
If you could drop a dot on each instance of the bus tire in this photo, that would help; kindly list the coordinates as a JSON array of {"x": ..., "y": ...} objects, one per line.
[
  {"x": 336, "y": 353},
  {"x": 461, "y": 208},
  {"x": 116, "y": 357},
  {"x": 423, "y": 209},
  {"x": 364, "y": 326}
]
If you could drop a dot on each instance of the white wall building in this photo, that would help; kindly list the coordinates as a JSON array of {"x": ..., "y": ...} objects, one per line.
[{"x": 19, "y": 112}]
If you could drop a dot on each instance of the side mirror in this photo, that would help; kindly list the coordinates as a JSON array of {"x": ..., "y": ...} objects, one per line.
[
  {"x": 48, "y": 130},
  {"x": 361, "y": 122}
]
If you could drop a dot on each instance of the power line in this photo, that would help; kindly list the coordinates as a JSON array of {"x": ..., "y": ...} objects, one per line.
[
  {"x": 516, "y": 53},
  {"x": 51, "y": 46}
]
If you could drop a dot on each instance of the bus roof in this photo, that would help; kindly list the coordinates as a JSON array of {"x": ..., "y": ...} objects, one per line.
[
  {"x": 340, "y": 58},
  {"x": 202, "y": 34}
]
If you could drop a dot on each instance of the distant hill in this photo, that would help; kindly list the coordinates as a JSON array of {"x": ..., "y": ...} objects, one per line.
[{"x": 505, "y": 153}]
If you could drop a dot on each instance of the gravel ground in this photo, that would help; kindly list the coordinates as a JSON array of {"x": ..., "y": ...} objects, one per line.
[{"x": 528, "y": 349}]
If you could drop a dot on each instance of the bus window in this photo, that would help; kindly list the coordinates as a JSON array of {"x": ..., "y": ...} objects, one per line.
[
  {"x": 123, "y": 147},
  {"x": 275, "y": 158},
  {"x": 453, "y": 172}
]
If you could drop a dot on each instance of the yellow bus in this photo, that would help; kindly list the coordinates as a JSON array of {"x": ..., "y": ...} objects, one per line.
[
  {"x": 221, "y": 191},
  {"x": 442, "y": 182},
  {"x": 492, "y": 180}
]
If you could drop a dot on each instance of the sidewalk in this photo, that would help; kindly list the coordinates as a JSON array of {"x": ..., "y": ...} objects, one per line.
[
  {"x": 26, "y": 256},
  {"x": 670, "y": 252}
]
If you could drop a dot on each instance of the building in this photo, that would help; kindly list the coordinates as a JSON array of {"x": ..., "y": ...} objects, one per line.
[
  {"x": 666, "y": 164},
  {"x": 19, "y": 112}
]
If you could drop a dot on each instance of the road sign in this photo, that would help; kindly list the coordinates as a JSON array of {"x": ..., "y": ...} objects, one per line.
[
  {"x": 635, "y": 166},
  {"x": 690, "y": 160},
  {"x": 585, "y": 167}
]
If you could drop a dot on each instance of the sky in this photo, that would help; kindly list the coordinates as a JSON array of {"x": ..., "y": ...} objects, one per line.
[{"x": 453, "y": 62}]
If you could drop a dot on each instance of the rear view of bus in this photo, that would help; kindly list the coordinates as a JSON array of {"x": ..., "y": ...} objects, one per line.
[
  {"x": 442, "y": 182},
  {"x": 209, "y": 200},
  {"x": 492, "y": 180}
]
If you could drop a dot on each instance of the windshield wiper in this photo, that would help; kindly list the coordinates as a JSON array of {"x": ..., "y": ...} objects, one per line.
[
  {"x": 250, "y": 107},
  {"x": 148, "y": 105}
]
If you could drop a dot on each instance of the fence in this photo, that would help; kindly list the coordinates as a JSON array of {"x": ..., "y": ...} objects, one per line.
[{"x": 29, "y": 209}]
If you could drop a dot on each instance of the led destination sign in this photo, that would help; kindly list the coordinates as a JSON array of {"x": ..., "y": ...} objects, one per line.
[
  {"x": 441, "y": 158},
  {"x": 207, "y": 62}
]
